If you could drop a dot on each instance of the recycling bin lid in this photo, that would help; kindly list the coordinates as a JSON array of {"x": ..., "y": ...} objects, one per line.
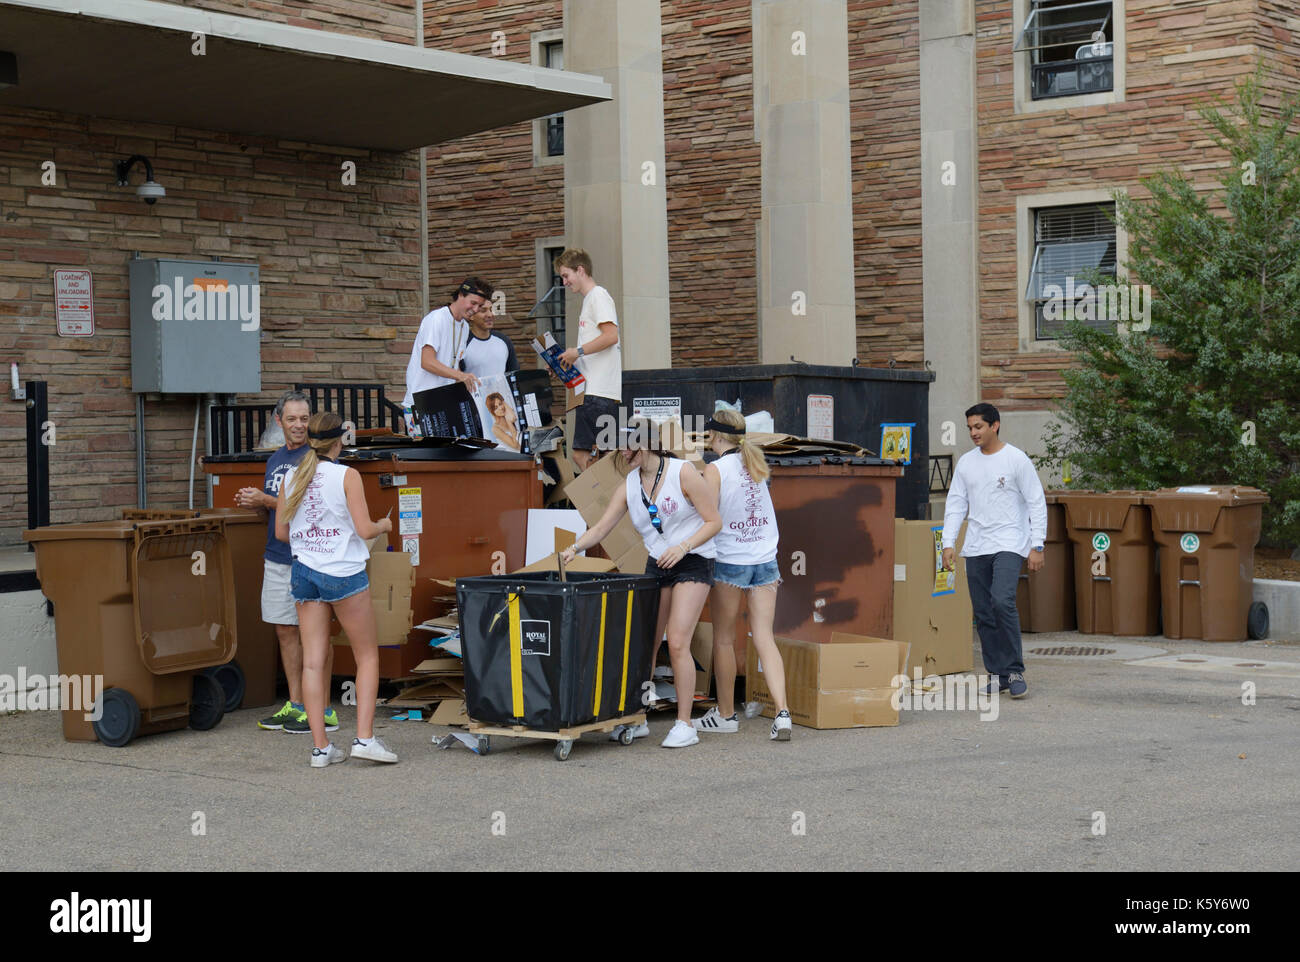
[
  {"x": 88, "y": 530},
  {"x": 1225, "y": 494}
]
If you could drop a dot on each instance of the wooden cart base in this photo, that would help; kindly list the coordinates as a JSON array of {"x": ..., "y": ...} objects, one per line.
[{"x": 564, "y": 738}]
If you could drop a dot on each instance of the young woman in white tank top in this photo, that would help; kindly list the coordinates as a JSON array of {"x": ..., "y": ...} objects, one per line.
[
  {"x": 746, "y": 563},
  {"x": 321, "y": 512},
  {"x": 676, "y": 514}
]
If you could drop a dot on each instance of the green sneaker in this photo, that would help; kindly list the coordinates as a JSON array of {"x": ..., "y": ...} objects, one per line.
[
  {"x": 299, "y": 726},
  {"x": 285, "y": 714}
]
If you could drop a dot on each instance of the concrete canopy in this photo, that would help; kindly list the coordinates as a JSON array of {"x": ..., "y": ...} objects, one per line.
[{"x": 132, "y": 60}]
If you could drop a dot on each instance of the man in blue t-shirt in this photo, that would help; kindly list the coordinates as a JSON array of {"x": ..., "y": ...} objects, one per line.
[{"x": 292, "y": 414}]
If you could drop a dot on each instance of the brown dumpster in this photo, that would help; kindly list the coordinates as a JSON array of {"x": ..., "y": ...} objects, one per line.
[
  {"x": 462, "y": 512},
  {"x": 1116, "y": 592},
  {"x": 1206, "y": 536},
  {"x": 837, "y": 547},
  {"x": 136, "y": 606},
  {"x": 1046, "y": 597}
]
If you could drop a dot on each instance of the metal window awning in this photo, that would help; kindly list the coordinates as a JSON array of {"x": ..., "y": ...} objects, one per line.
[
  {"x": 132, "y": 60},
  {"x": 1068, "y": 24}
]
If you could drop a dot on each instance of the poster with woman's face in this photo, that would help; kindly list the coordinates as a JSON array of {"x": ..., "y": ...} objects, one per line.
[{"x": 496, "y": 410}]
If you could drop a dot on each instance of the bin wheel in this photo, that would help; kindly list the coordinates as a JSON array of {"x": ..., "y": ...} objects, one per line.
[
  {"x": 1257, "y": 621},
  {"x": 119, "y": 720},
  {"x": 230, "y": 677},
  {"x": 562, "y": 749},
  {"x": 484, "y": 744},
  {"x": 626, "y": 735},
  {"x": 207, "y": 703}
]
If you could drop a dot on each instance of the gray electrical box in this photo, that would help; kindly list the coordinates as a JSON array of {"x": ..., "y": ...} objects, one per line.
[{"x": 195, "y": 327}]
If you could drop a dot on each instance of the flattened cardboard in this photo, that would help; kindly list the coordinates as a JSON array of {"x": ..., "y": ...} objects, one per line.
[
  {"x": 845, "y": 683},
  {"x": 440, "y": 666},
  {"x": 938, "y": 627},
  {"x": 392, "y": 581},
  {"x": 580, "y": 563},
  {"x": 450, "y": 711},
  {"x": 590, "y": 492}
]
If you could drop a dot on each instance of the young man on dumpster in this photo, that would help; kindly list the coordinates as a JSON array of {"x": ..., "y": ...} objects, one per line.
[
  {"x": 996, "y": 488},
  {"x": 278, "y": 609},
  {"x": 597, "y": 355}
]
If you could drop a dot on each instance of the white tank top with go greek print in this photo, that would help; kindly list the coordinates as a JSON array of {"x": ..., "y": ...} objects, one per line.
[
  {"x": 748, "y": 535},
  {"x": 321, "y": 533}
]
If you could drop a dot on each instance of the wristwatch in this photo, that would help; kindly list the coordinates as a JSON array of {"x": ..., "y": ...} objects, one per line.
[
  {"x": 1037, "y": 547},
  {"x": 581, "y": 352}
]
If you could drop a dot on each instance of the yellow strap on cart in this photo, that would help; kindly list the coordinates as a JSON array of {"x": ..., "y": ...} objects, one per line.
[
  {"x": 600, "y": 653},
  {"x": 516, "y": 660},
  {"x": 627, "y": 640}
]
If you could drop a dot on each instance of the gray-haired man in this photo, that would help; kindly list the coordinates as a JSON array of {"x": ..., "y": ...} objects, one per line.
[{"x": 292, "y": 414}]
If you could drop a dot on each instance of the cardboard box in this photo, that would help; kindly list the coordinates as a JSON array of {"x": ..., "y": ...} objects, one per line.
[
  {"x": 580, "y": 563},
  {"x": 932, "y": 609},
  {"x": 590, "y": 492},
  {"x": 846, "y": 683},
  {"x": 392, "y": 580}
]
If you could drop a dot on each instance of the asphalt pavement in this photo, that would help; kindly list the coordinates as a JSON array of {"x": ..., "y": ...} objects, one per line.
[{"x": 1185, "y": 774}]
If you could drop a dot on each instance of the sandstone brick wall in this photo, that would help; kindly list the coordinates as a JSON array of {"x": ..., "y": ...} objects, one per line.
[
  {"x": 340, "y": 284},
  {"x": 1104, "y": 146},
  {"x": 392, "y": 20},
  {"x": 885, "y": 105}
]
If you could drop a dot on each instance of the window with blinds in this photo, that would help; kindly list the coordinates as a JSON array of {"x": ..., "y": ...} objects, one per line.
[{"x": 1071, "y": 245}]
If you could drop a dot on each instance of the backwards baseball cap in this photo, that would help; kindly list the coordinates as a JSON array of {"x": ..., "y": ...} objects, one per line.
[{"x": 474, "y": 285}]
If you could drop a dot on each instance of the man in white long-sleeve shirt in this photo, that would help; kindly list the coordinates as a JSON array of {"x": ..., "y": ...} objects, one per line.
[{"x": 996, "y": 488}]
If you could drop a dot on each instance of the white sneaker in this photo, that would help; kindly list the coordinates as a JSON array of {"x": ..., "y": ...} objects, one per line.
[
  {"x": 640, "y": 731},
  {"x": 781, "y": 727},
  {"x": 376, "y": 751},
  {"x": 329, "y": 755},
  {"x": 712, "y": 721},
  {"x": 681, "y": 736}
]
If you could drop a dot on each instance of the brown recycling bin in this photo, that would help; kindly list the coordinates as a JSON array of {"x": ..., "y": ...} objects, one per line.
[
  {"x": 1207, "y": 536},
  {"x": 1046, "y": 597},
  {"x": 1116, "y": 591},
  {"x": 249, "y": 681},
  {"x": 133, "y": 606}
]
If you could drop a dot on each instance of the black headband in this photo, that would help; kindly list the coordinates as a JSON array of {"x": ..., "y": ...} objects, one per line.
[
  {"x": 712, "y": 425},
  {"x": 327, "y": 434}
]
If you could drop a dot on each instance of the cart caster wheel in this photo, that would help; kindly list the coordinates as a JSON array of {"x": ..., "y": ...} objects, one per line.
[
  {"x": 207, "y": 703},
  {"x": 119, "y": 720},
  {"x": 562, "y": 749},
  {"x": 626, "y": 735},
  {"x": 484, "y": 744},
  {"x": 1257, "y": 621},
  {"x": 231, "y": 678}
]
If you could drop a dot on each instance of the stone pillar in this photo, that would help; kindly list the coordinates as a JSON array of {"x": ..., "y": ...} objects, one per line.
[
  {"x": 615, "y": 200},
  {"x": 949, "y": 195},
  {"x": 801, "y": 110}
]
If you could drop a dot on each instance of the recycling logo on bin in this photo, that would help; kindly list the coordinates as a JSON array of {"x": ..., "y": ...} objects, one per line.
[
  {"x": 1189, "y": 543},
  {"x": 536, "y": 637},
  {"x": 1100, "y": 541}
]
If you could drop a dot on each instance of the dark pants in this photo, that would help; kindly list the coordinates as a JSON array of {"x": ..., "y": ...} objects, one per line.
[{"x": 993, "y": 579}]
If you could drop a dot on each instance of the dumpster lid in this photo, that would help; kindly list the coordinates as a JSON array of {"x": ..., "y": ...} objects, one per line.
[
  {"x": 90, "y": 530},
  {"x": 412, "y": 452}
]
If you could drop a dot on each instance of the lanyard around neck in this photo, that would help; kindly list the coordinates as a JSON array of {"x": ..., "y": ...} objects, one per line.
[{"x": 658, "y": 474}]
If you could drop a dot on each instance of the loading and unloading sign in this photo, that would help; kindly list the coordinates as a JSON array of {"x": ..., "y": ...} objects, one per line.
[{"x": 410, "y": 520}]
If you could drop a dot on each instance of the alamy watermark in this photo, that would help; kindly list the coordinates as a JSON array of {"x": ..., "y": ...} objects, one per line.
[
  {"x": 945, "y": 693},
  {"x": 208, "y": 301},
  {"x": 25, "y": 692},
  {"x": 1121, "y": 303}
]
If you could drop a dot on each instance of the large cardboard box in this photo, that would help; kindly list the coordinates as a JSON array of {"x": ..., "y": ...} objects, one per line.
[
  {"x": 932, "y": 610},
  {"x": 846, "y": 683},
  {"x": 392, "y": 580},
  {"x": 590, "y": 492}
]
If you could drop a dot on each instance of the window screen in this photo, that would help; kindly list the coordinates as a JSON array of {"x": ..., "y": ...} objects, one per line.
[{"x": 1070, "y": 244}]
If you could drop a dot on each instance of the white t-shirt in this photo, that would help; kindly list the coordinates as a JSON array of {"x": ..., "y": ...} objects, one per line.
[
  {"x": 321, "y": 533},
  {"x": 603, "y": 370},
  {"x": 449, "y": 338},
  {"x": 1003, "y": 499},
  {"x": 486, "y": 356},
  {"x": 677, "y": 516},
  {"x": 748, "y": 535}
]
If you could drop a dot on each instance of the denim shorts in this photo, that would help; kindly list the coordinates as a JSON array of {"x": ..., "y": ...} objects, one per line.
[
  {"x": 308, "y": 584},
  {"x": 692, "y": 567},
  {"x": 747, "y": 576}
]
